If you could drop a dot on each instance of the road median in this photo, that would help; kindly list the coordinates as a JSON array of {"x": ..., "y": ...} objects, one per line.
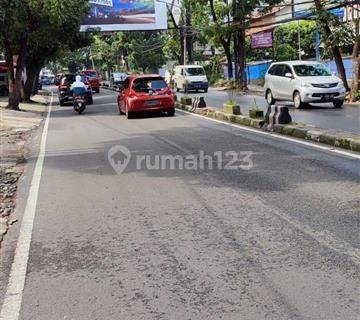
[{"x": 334, "y": 138}]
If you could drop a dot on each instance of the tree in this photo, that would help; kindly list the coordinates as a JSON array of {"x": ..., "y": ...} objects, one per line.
[
  {"x": 221, "y": 31},
  {"x": 13, "y": 37},
  {"x": 31, "y": 30},
  {"x": 355, "y": 85},
  {"x": 286, "y": 38},
  {"x": 326, "y": 19}
]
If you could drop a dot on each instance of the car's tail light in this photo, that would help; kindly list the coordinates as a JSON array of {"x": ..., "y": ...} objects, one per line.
[
  {"x": 132, "y": 93},
  {"x": 169, "y": 91}
]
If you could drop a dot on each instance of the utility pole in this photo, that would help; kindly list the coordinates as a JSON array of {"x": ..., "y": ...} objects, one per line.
[
  {"x": 189, "y": 36},
  {"x": 299, "y": 39},
  {"x": 182, "y": 44}
]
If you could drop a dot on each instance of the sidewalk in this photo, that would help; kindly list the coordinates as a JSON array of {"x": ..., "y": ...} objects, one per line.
[{"x": 16, "y": 128}]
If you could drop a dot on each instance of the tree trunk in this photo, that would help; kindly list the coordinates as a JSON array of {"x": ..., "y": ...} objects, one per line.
[
  {"x": 240, "y": 56},
  {"x": 242, "y": 61},
  {"x": 355, "y": 84},
  {"x": 36, "y": 83},
  {"x": 14, "y": 77},
  {"x": 226, "y": 43},
  {"x": 335, "y": 49},
  {"x": 227, "y": 50},
  {"x": 29, "y": 84},
  {"x": 14, "y": 91}
]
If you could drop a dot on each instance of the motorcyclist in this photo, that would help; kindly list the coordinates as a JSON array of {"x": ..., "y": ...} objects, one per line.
[{"x": 78, "y": 87}]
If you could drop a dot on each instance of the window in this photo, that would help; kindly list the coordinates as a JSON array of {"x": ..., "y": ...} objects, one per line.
[
  {"x": 149, "y": 84},
  {"x": 287, "y": 69},
  {"x": 312, "y": 70},
  {"x": 126, "y": 83},
  {"x": 91, "y": 74},
  {"x": 276, "y": 70},
  {"x": 2, "y": 78},
  {"x": 195, "y": 71}
]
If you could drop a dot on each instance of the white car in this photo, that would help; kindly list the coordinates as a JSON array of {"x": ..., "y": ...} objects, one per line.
[
  {"x": 190, "y": 77},
  {"x": 303, "y": 82}
]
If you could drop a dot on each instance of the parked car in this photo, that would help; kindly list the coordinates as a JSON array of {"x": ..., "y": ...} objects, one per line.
[
  {"x": 190, "y": 77},
  {"x": 3, "y": 84},
  {"x": 118, "y": 78},
  {"x": 45, "y": 80},
  {"x": 66, "y": 95},
  {"x": 303, "y": 82},
  {"x": 93, "y": 78},
  {"x": 145, "y": 93}
]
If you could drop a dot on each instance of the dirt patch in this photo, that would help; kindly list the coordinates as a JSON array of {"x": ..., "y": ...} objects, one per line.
[{"x": 16, "y": 129}]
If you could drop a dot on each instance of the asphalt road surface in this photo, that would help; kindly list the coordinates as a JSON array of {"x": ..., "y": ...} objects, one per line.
[
  {"x": 276, "y": 241},
  {"x": 319, "y": 115}
]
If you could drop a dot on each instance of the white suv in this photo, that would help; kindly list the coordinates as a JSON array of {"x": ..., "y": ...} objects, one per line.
[{"x": 303, "y": 82}]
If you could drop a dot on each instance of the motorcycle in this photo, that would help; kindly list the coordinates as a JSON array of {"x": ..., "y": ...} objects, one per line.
[{"x": 79, "y": 104}]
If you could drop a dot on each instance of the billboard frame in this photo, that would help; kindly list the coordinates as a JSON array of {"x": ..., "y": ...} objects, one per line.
[{"x": 161, "y": 22}]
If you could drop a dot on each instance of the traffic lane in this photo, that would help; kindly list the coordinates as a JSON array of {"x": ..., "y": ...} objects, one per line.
[
  {"x": 174, "y": 243},
  {"x": 319, "y": 115}
]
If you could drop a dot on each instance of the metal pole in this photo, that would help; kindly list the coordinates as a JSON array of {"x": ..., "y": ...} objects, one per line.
[
  {"x": 299, "y": 39},
  {"x": 317, "y": 44},
  {"x": 185, "y": 49},
  {"x": 92, "y": 60}
]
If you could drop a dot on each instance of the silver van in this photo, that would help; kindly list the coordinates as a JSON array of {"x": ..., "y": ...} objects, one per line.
[{"x": 303, "y": 82}]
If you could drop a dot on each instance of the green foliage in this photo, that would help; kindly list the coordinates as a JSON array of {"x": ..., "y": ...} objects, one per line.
[
  {"x": 286, "y": 52},
  {"x": 286, "y": 40},
  {"x": 357, "y": 96},
  {"x": 142, "y": 51},
  {"x": 343, "y": 36}
]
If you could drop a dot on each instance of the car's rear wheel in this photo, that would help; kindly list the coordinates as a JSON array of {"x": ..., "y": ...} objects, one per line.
[
  {"x": 97, "y": 90},
  {"x": 297, "y": 100},
  {"x": 206, "y": 90},
  {"x": 90, "y": 100},
  {"x": 129, "y": 115},
  {"x": 269, "y": 98},
  {"x": 338, "y": 104},
  {"x": 171, "y": 113},
  {"x": 62, "y": 103}
]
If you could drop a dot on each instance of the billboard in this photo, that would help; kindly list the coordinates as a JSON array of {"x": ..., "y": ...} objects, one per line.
[
  {"x": 123, "y": 15},
  {"x": 262, "y": 40}
]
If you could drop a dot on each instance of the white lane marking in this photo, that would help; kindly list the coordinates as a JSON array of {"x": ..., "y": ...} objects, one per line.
[
  {"x": 325, "y": 238},
  {"x": 274, "y": 135},
  {"x": 13, "y": 297}
]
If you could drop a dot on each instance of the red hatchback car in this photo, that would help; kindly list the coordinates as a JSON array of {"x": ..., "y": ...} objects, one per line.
[
  {"x": 93, "y": 78},
  {"x": 145, "y": 93}
]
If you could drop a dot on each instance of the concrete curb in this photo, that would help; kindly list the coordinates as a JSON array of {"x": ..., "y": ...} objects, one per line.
[{"x": 333, "y": 138}]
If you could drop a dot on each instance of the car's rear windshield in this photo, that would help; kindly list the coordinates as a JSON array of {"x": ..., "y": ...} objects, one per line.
[
  {"x": 195, "y": 71},
  {"x": 312, "y": 70},
  {"x": 90, "y": 74},
  {"x": 149, "y": 84}
]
